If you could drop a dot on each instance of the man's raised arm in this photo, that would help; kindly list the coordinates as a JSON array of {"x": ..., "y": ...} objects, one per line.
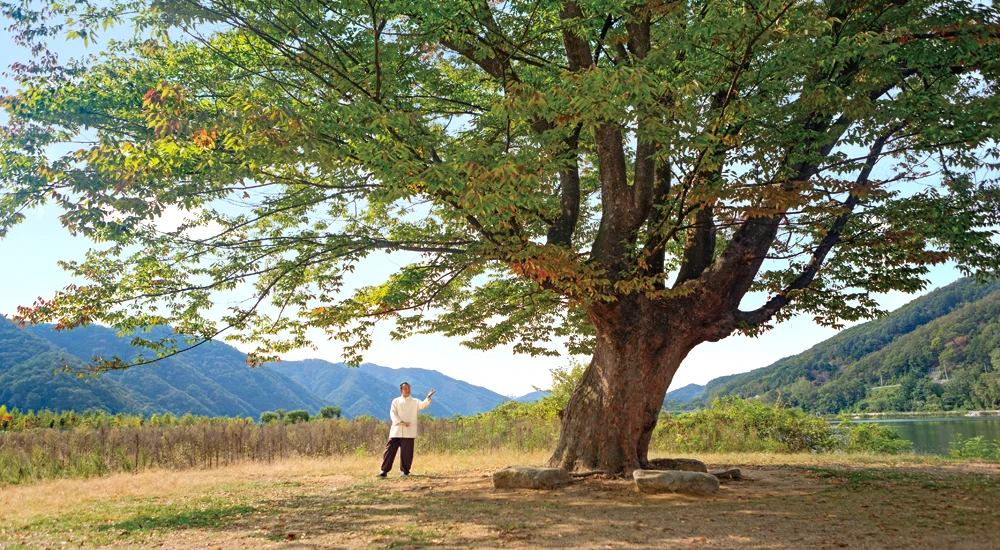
[{"x": 426, "y": 402}]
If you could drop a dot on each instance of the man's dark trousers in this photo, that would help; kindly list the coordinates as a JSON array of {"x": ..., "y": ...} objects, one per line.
[{"x": 405, "y": 458}]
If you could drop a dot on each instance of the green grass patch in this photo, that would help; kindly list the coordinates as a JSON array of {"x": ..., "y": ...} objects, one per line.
[
  {"x": 172, "y": 518},
  {"x": 136, "y": 519},
  {"x": 405, "y": 536}
]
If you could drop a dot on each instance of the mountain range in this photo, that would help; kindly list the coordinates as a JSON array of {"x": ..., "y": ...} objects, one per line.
[
  {"x": 212, "y": 379},
  {"x": 939, "y": 352}
]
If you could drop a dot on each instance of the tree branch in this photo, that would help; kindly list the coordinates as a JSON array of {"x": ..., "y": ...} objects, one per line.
[
  {"x": 561, "y": 231},
  {"x": 832, "y": 237}
]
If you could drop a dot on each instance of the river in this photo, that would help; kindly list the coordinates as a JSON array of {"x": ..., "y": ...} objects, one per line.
[{"x": 933, "y": 435}]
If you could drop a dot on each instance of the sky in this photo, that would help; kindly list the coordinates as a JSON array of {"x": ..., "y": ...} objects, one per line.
[{"x": 29, "y": 269}]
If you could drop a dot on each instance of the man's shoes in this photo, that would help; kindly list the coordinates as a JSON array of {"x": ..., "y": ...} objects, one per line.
[
  {"x": 382, "y": 474},
  {"x": 405, "y": 474}
]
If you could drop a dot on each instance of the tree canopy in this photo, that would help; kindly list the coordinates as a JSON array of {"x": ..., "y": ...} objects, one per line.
[{"x": 532, "y": 158}]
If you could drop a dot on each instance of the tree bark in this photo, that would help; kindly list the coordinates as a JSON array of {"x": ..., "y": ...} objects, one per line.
[{"x": 609, "y": 420}]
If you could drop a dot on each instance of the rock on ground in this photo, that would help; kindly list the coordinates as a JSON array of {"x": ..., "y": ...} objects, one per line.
[
  {"x": 733, "y": 473},
  {"x": 682, "y": 464},
  {"x": 672, "y": 481},
  {"x": 529, "y": 477}
]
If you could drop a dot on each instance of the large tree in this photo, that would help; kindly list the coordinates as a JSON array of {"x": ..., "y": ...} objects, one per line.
[{"x": 618, "y": 175}]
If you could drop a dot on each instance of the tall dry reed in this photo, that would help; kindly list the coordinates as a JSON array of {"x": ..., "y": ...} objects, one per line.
[{"x": 45, "y": 453}]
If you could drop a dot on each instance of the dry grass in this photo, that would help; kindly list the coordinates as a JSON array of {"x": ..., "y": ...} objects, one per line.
[
  {"x": 23, "y": 503},
  {"x": 791, "y": 501}
]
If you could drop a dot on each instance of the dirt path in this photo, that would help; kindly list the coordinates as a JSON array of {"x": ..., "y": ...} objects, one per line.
[{"x": 807, "y": 506}]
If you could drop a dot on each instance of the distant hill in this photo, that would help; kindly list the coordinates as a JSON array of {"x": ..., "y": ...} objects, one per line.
[
  {"x": 684, "y": 394},
  {"x": 678, "y": 396},
  {"x": 212, "y": 379},
  {"x": 939, "y": 352},
  {"x": 370, "y": 388},
  {"x": 453, "y": 396},
  {"x": 532, "y": 397},
  {"x": 355, "y": 392}
]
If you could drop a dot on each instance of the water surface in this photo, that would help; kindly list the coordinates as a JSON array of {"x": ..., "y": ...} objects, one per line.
[{"x": 933, "y": 435}]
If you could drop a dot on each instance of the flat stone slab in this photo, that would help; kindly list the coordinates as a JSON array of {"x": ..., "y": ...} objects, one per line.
[
  {"x": 673, "y": 481},
  {"x": 681, "y": 464},
  {"x": 530, "y": 477},
  {"x": 733, "y": 473}
]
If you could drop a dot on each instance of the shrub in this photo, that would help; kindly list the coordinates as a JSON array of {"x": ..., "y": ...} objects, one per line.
[
  {"x": 268, "y": 416},
  {"x": 975, "y": 448},
  {"x": 743, "y": 425},
  {"x": 548, "y": 408},
  {"x": 868, "y": 437},
  {"x": 513, "y": 410}
]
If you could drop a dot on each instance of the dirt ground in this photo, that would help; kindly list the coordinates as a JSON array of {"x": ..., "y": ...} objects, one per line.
[{"x": 818, "y": 503}]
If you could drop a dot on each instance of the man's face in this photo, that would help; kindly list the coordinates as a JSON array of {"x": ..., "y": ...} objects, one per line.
[{"x": 404, "y": 390}]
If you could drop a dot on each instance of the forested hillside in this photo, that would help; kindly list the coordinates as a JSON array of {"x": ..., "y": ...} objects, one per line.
[
  {"x": 939, "y": 352},
  {"x": 685, "y": 393},
  {"x": 212, "y": 379},
  {"x": 28, "y": 380}
]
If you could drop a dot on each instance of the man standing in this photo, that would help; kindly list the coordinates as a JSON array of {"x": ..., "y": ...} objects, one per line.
[{"x": 403, "y": 414}]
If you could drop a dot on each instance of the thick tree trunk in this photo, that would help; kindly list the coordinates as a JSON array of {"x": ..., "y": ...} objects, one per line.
[{"x": 609, "y": 420}]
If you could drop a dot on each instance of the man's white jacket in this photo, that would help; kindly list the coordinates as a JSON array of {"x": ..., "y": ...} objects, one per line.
[{"x": 404, "y": 409}]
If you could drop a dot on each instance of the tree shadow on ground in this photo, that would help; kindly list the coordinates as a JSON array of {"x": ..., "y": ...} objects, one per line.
[{"x": 777, "y": 508}]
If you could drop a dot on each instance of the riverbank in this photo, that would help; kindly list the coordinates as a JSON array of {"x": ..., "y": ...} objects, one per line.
[
  {"x": 912, "y": 414},
  {"x": 788, "y": 501}
]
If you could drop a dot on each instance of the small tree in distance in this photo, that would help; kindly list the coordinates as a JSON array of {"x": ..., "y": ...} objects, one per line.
[
  {"x": 633, "y": 178},
  {"x": 564, "y": 382},
  {"x": 294, "y": 417},
  {"x": 329, "y": 412}
]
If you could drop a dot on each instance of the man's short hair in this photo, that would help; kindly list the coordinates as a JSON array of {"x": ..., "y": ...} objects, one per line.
[{"x": 404, "y": 384}]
